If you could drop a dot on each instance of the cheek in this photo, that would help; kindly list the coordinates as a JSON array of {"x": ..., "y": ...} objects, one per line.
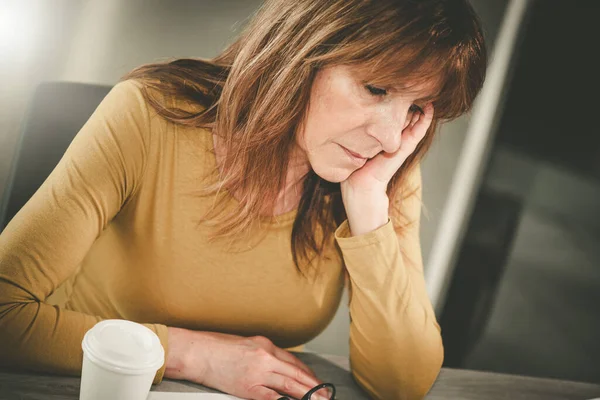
[
  {"x": 334, "y": 114},
  {"x": 331, "y": 125},
  {"x": 331, "y": 163},
  {"x": 329, "y": 167}
]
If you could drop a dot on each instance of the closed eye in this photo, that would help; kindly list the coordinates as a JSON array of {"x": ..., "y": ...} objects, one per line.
[{"x": 375, "y": 91}]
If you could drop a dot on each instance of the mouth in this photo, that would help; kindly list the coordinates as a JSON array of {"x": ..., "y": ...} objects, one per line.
[{"x": 356, "y": 158}]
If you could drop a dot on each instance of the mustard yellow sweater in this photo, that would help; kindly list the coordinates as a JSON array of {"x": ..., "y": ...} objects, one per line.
[{"x": 113, "y": 233}]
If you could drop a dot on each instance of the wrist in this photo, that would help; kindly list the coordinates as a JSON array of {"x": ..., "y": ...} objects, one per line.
[
  {"x": 363, "y": 226},
  {"x": 367, "y": 214},
  {"x": 182, "y": 362}
]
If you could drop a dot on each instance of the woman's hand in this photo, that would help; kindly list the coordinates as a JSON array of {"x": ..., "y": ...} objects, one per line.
[
  {"x": 364, "y": 193},
  {"x": 250, "y": 368}
]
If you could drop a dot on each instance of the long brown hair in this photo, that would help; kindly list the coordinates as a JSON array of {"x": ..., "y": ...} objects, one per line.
[{"x": 255, "y": 94}]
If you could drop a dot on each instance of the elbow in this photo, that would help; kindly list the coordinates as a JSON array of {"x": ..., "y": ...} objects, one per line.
[
  {"x": 433, "y": 358},
  {"x": 407, "y": 373},
  {"x": 427, "y": 369},
  {"x": 8, "y": 338},
  {"x": 17, "y": 314}
]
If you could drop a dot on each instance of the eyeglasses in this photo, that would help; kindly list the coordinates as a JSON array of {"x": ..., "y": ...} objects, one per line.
[{"x": 322, "y": 391}]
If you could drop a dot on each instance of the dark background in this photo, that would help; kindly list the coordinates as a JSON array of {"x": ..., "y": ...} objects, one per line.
[{"x": 525, "y": 297}]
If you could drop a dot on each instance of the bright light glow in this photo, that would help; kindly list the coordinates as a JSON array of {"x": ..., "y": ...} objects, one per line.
[{"x": 16, "y": 28}]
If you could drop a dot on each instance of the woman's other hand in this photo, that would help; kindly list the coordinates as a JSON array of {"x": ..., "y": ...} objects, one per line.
[{"x": 250, "y": 368}]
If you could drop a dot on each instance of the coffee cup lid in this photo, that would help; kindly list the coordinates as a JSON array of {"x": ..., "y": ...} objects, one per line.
[{"x": 123, "y": 346}]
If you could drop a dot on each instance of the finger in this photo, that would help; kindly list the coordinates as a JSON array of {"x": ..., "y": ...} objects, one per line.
[
  {"x": 386, "y": 164},
  {"x": 291, "y": 387},
  {"x": 263, "y": 393},
  {"x": 414, "y": 118},
  {"x": 413, "y": 135},
  {"x": 286, "y": 385},
  {"x": 426, "y": 116},
  {"x": 290, "y": 358},
  {"x": 298, "y": 374}
]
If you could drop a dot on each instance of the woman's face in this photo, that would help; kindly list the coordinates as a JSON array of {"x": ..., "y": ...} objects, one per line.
[{"x": 349, "y": 122}]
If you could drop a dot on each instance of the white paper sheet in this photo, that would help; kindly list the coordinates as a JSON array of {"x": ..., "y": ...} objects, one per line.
[{"x": 189, "y": 396}]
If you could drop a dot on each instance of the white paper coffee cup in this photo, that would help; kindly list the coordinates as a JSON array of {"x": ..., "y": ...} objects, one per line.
[{"x": 120, "y": 360}]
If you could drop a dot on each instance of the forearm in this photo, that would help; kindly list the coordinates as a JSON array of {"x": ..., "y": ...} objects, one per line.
[
  {"x": 398, "y": 370},
  {"x": 395, "y": 342},
  {"x": 39, "y": 337}
]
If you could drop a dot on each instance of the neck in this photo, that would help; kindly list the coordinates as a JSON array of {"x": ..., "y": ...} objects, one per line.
[{"x": 289, "y": 198}]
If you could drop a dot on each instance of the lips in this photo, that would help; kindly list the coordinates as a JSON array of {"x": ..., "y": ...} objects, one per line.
[
  {"x": 355, "y": 154},
  {"x": 355, "y": 158}
]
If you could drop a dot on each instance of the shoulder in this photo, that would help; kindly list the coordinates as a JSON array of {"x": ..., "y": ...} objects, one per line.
[
  {"x": 129, "y": 92},
  {"x": 155, "y": 94},
  {"x": 137, "y": 106},
  {"x": 121, "y": 123},
  {"x": 142, "y": 96},
  {"x": 125, "y": 102}
]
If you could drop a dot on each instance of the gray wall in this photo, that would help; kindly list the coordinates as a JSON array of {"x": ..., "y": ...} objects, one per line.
[{"x": 97, "y": 41}]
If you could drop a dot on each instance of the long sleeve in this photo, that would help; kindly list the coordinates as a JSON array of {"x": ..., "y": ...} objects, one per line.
[
  {"x": 47, "y": 240},
  {"x": 396, "y": 349}
]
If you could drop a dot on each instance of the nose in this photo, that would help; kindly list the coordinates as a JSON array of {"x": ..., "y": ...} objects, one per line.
[{"x": 388, "y": 126}]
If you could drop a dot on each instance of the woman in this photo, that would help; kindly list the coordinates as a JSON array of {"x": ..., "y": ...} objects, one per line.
[{"x": 225, "y": 202}]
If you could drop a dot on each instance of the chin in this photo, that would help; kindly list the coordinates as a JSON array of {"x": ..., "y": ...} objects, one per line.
[{"x": 332, "y": 174}]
